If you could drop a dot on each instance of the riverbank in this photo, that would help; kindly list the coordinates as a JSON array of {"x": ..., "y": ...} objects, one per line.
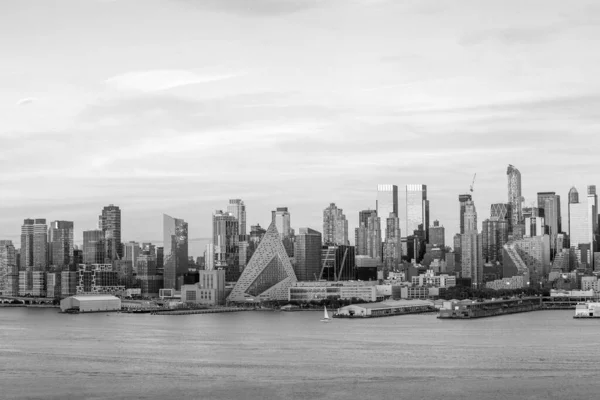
[{"x": 30, "y": 305}]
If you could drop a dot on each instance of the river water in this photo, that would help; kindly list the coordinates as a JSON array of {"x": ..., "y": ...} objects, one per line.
[{"x": 272, "y": 355}]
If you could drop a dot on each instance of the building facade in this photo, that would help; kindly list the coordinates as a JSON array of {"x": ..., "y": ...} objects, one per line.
[
  {"x": 307, "y": 254},
  {"x": 61, "y": 244},
  {"x": 237, "y": 208},
  {"x": 269, "y": 272},
  {"x": 175, "y": 242},
  {"x": 94, "y": 247},
  {"x": 386, "y": 202},
  {"x": 9, "y": 270},
  {"x": 225, "y": 240},
  {"x": 515, "y": 198},
  {"x": 417, "y": 209},
  {"x": 335, "y": 226},
  {"x": 109, "y": 222}
]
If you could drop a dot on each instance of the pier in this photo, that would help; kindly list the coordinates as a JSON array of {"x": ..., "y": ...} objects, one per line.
[
  {"x": 199, "y": 311},
  {"x": 469, "y": 310}
]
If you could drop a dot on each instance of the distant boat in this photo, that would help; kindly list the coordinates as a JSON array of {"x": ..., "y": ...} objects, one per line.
[{"x": 326, "y": 316}]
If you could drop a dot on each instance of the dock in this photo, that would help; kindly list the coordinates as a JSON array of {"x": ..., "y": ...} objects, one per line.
[
  {"x": 470, "y": 310},
  {"x": 199, "y": 311}
]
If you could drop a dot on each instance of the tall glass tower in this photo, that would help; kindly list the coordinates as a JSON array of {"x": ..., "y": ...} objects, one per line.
[
  {"x": 237, "y": 208},
  {"x": 60, "y": 237},
  {"x": 386, "y": 203},
  {"x": 110, "y": 223},
  {"x": 417, "y": 209},
  {"x": 175, "y": 242}
]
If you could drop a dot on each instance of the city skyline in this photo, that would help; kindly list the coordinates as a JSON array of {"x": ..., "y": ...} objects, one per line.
[
  {"x": 146, "y": 127},
  {"x": 198, "y": 244}
]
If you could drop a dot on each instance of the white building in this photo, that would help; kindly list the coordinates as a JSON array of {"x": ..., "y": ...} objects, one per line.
[
  {"x": 308, "y": 291},
  {"x": 429, "y": 278},
  {"x": 91, "y": 303}
]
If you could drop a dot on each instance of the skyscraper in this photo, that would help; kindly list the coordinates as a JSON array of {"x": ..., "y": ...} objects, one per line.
[
  {"x": 417, "y": 209},
  {"x": 437, "y": 233},
  {"x": 361, "y": 235},
  {"x": 582, "y": 220},
  {"x": 40, "y": 245},
  {"x": 307, "y": 252},
  {"x": 514, "y": 194},
  {"x": 226, "y": 239},
  {"x": 110, "y": 223},
  {"x": 9, "y": 271},
  {"x": 61, "y": 245},
  {"x": 374, "y": 247},
  {"x": 335, "y": 226},
  {"x": 281, "y": 218},
  {"x": 237, "y": 208},
  {"x": 131, "y": 252},
  {"x": 27, "y": 245},
  {"x": 494, "y": 236},
  {"x": 386, "y": 202},
  {"x": 94, "y": 247},
  {"x": 462, "y": 199},
  {"x": 471, "y": 243},
  {"x": 175, "y": 242},
  {"x": 392, "y": 246},
  {"x": 550, "y": 203}
]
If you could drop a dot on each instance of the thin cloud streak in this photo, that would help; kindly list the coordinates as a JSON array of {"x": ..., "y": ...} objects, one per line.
[{"x": 158, "y": 80}]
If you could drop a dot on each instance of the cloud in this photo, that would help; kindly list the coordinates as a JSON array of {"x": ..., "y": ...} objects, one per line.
[
  {"x": 257, "y": 7},
  {"x": 25, "y": 101},
  {"x": 157, "y": 80}
]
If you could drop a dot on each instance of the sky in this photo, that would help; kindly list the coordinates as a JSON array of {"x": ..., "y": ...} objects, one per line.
[{"x": 177, "y": 106}]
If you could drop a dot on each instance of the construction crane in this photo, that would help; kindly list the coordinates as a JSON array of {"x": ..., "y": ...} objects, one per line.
[{"x": 473, "y": 183}]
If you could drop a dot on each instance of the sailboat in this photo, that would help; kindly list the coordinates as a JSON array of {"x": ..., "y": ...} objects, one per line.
[{"x": 326, "y": 316}]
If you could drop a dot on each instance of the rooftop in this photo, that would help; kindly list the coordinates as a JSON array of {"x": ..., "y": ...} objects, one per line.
[{"x": 94, "y": 297}]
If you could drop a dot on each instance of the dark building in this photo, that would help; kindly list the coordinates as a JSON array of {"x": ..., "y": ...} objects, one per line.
[
  {"x": 307, "y": 251},
  {"x": 175, "y": 260},
  {"x": 60, "y": 246},
  {"x": 437, "y": 233},
  {"x": 338, "y": 263},
  {"x": 160, "y": 253},
  {"x": 494, "y": 237}
]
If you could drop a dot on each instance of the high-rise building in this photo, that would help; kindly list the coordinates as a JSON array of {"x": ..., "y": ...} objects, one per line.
[
  {"x": 281, "y": 218},
  {"x": 386, "y": 202},
  {"x": 94, "y": 247},
  {"x": 61, "y": 246},
  {"x": 40, "y": 245},
  {"x": 374, "y": 244},
  {"x": 175, "y": 242},
  {"x": 307, "y": 253},
  {"x": 335, "y": 226},
  {"x": 534, "y": 226},
  {"x": 550, "y": 203},
  {"x": 392, "y": 246},
  {"x": 582, "y": 218},
  {"x": 462, "y": 199},
  {"x": 226, "y": 239},
  {"x": 437, "y": 233},
  {"x": 361, "y": 233},
  {"x": 26, "y": 262},
  {"x": 9, "y": 270},
  {"x": 470, "y": 217},
  {"x": 109, "y": 222},
  {"x": 471, "y": 243},
  {"x": 514, "y": 194},
  {"x": 131, "y": 252},
  {"x": 417, "y": 209},
  {"x": 237, "y": 208},
  {"x": 494, "y": 236}
]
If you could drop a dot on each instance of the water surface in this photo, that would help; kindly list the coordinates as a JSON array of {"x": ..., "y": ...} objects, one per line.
[{"x": 268, "y": 355}]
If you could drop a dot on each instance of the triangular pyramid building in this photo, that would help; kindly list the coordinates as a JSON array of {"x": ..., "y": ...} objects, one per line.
[{"x": 269, "y": 273}]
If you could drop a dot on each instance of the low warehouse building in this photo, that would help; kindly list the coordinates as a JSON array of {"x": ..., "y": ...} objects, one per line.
[
  {"x": 90, "y": 303},
  {"x": 385, "y": 308}
]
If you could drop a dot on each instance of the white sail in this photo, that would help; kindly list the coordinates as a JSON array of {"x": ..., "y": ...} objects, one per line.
[{"x": 325, "y": 311}]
